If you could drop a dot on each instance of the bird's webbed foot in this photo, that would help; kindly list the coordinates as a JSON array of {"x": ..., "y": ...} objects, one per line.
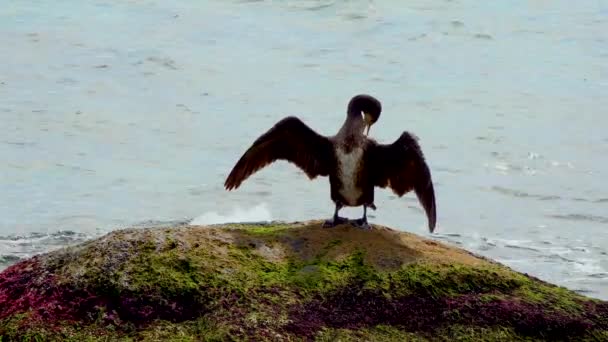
[
  {"x": 361, "y": 223},
  {"x": 336, "y": 221}
]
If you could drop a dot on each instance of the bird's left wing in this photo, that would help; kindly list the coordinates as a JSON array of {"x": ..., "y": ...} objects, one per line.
[
  {"x": 401, "y": 166},
  {"x": 291, "y": 140}
]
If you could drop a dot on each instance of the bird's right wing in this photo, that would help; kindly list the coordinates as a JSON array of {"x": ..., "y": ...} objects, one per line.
[
  {"x": 401, "y": 167},
  {"x": 291, "y": 140}
]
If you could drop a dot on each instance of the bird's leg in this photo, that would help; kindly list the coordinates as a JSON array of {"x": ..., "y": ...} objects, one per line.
[
  {"x": 362, "y": 222},
  {"x": 336, "y": 220}
]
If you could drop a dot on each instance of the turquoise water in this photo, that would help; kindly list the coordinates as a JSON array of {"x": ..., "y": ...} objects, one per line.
[{"x": 116, "y": 113}]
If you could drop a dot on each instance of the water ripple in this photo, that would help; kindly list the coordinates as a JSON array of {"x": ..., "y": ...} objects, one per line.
[
  {"x": 523, "y": 194},
  {"x": 525, "y": 248},
  {"x": 20, "y": 143},
  {"x": 581, "y": 217},
  {"x": 14, "y": 248}
]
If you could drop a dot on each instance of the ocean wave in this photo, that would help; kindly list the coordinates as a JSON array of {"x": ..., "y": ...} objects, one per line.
[
  {"x": 59, "y": 236},
  {"x": 8, "y": 259},
  {"x": 160, "y": 223},
  {"x": 14, "y": 248},
  {"x": 259, "y": 213},
  {"x": 523, "y": 194},
  {"x": 580, "y": 217}
]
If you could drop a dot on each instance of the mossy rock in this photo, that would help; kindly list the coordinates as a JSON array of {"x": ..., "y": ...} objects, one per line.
[{"x": 283, "y": 282}]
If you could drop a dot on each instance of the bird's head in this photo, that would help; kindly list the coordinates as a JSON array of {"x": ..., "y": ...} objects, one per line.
[{"x": 368, "y": 107}]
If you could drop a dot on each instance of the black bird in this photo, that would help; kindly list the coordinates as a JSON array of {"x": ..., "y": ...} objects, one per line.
[{"x": 354, "y": 163}]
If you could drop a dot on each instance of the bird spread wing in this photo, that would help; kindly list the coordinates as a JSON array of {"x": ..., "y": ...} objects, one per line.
[
  {"x": 291, "y": 140},
  {"x": 401, "y": 166}
]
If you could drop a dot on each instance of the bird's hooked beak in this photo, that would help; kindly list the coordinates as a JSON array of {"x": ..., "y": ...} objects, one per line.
[{"x": 368, "y": 122}]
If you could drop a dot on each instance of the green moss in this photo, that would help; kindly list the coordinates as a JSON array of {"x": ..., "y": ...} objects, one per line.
[
  {"x": 551, "y": 296},
  {"x": 490, "y": 282},
  {"x": 320, "y": 275},
  {"x": 474, "y": 334},
  {"x": 491, "y": 297},
  {"x": 263, "y": 230},
  {"x": 449, "y": 280},
  {"x": 198, "y": 330},
  {"x": 21, "y": 330},
  {"x": 597, "y": 335},
  {"x": 169, "y": 272},
  {"x": 11, "y": 326},
  {"x": 375, "y": 334},
  {"x": 315, "y": 275}
]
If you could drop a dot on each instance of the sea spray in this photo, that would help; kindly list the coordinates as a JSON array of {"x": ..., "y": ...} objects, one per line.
[{"x": 257, "y": 213}]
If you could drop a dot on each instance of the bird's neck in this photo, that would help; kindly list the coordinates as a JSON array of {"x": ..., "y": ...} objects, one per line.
[{"x": 353, "y": 126}]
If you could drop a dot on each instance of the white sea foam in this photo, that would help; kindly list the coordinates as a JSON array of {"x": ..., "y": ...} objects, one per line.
[
  {"x": 587, "y": 266},
  {"x": 14, "y": 248},
  {"x": 254, "y": 214}
]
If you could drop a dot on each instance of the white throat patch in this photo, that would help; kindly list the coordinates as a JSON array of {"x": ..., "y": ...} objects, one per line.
[{"x": 348, "y": 165}]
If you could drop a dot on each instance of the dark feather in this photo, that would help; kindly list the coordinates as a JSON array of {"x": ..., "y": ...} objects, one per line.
[
  {"x": 401, "y": 166},
  {"x": 291, "y": 140}
]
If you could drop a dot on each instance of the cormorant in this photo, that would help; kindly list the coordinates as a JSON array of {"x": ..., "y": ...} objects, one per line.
[{"x": 354, "y": 163}]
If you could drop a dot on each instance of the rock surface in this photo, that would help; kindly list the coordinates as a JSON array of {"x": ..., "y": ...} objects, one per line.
[{"x": 281, "y": 281}]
